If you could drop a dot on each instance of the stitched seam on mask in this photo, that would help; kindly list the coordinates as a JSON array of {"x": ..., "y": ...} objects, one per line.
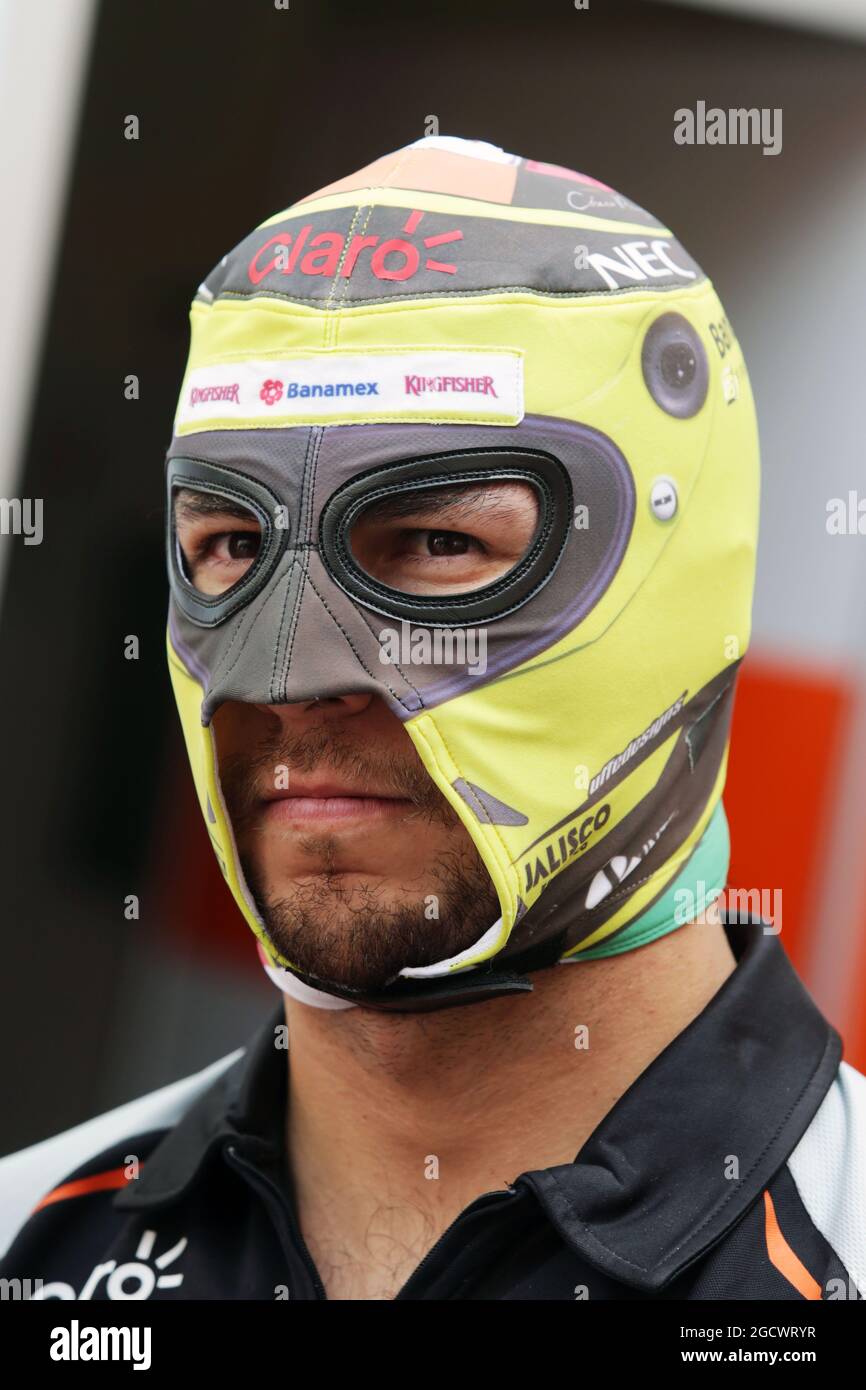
[
  {"x": 420, "y": 298},
  {"x": 401, "y": 159},
  {"x": 358, "y": 657},
  {"x": 506, "y": 866},
  {"x": 296, "y": 564},
  {"x": 222, "y": 670},
  {"x": 396, "y": 665},
  {"x": 238, "y": 628},
  {"x": 311, "y": 454},
  {"x": 331, "y": 305},
  {"x": 336, "y": 305},
  {"x": 623, "y": 891},
  {"x": 621, "y": 894},
  {"x": 332, "y": 324},
  {"x": 224, "y": 674},
  {"x": 311, "y": 464}
]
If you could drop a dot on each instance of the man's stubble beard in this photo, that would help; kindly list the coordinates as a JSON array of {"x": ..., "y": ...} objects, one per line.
[{"x": 347, "y": 935}]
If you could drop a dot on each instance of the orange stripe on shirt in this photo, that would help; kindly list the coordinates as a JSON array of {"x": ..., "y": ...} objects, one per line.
[
  {"x": 100, "y": 1182},
  {"x": 789, "y": 1265}
]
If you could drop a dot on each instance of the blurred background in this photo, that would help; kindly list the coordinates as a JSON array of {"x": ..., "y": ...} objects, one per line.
[{"x": 242, "y": 108}]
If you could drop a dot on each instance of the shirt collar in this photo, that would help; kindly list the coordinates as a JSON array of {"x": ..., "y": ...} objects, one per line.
[
  {"x": 697, "y": 1137},
  {"x": 669, "y": 1170},
  {"x": 246, "y": 1104}
]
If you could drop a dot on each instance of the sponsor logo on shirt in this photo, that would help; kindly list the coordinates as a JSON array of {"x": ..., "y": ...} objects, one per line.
[{"x": 131, "y": 1280}]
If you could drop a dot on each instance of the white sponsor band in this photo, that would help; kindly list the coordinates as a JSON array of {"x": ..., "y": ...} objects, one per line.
[{"x": 475, "y": 385}]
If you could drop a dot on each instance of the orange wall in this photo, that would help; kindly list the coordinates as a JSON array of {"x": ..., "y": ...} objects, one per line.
[{"x": 789, "y": 729}]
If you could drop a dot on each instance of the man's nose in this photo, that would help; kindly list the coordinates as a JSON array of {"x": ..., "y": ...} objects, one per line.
[{"x": 306, "y": 643}]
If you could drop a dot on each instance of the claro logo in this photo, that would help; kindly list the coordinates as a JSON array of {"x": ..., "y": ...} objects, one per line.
[{"x": 327, "y": 254}]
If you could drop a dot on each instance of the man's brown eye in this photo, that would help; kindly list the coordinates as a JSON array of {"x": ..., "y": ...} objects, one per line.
[
  {"x": 244, "y": 545},
  {"x": 447, "y": 543},
  {"x": 454, "y": 538},
  {"x": 218, "y": 539}
]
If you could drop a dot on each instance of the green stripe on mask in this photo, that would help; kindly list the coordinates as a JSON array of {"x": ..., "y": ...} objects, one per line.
[{"x": 704, "y": 877}]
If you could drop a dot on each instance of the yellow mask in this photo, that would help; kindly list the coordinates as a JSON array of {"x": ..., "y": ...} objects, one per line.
[{"x": 454, "y": 315}]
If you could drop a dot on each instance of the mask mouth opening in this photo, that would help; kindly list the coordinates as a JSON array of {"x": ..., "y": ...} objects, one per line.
[
  {"x": 225, "y": 533},
  {"x": 449, "y": 539}
]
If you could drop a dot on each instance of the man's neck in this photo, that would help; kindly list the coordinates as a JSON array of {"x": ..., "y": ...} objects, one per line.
[{"x": 396, "y": 1122}]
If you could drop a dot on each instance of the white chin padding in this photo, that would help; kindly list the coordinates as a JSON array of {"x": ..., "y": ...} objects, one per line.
[
  {"x": 320, "y": 999},
  {"x": 452, "y": 965},
  {"x": 305, "y": 994}
]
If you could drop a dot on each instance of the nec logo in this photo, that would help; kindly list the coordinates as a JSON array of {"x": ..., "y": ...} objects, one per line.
[
  {"x": 327, "y": 254},
  {"x": 634, "y": 262}
]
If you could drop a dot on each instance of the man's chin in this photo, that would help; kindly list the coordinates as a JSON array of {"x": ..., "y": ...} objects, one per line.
[{"x": 358, "y": 934}]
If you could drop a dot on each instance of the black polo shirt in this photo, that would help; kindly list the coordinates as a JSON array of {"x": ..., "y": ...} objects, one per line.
[{"x": 683, "y": 1191}]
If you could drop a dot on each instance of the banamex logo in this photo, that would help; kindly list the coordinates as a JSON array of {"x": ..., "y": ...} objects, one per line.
[{"x": 271, "y": 391}]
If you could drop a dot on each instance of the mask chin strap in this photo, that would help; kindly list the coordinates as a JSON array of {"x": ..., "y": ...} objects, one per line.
[
  {"x": 451, "y": 966},
  {"x": 319, "y": 998},
  {"x": 419, "y": 990},
  {"x": 296, "y": 989}
]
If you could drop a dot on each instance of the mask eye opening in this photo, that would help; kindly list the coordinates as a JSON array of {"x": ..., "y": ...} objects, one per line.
[
  {"x": 503, "y": 594},
  {"x": 197, "y": 475},
  {"x": 358, "y": 507},
  {"x": 179, "y": 557}
]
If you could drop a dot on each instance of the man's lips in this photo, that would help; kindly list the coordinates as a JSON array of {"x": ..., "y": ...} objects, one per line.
[{"x": 329, "y": 801}]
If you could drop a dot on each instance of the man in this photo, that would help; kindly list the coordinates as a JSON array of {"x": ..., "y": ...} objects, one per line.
[{"x": 462, "y": 511}]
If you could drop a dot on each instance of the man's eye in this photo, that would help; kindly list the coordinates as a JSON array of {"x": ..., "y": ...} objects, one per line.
[
  {"x": 217, "y": 539},
  {"x": 447, "y": 540},
  {"x": 214, "y": 561},
  {"x": 236, "y": 545},
  {"x": 444, "y": 542}
]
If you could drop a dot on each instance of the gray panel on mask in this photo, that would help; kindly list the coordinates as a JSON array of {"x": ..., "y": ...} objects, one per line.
[{"x": 301, "y": 635}]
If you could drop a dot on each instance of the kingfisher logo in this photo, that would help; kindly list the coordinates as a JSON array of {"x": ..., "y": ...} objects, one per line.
[
  {"x": 478, "y": 385},
  {"x": 200, "y": 395},
  {"x": 328, "y": 254}
]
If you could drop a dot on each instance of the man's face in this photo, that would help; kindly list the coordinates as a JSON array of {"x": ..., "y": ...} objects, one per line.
[{"x": 358, "y": 864}]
